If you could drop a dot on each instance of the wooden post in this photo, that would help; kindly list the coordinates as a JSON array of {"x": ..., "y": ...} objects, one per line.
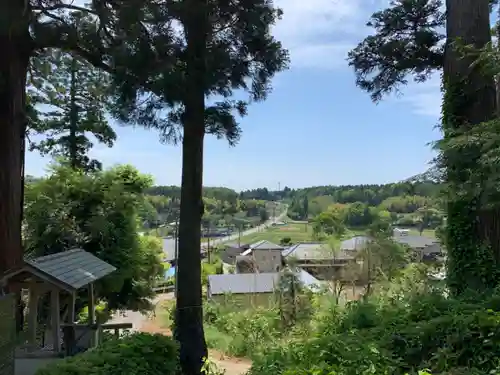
[
  {"x": 56, "y": 321},
  {"x": 32, "y": 315},
  {"x": 94, "y": 332},
  {"x": 71, "y": 315},
  {"x": 91, "y": 305}
]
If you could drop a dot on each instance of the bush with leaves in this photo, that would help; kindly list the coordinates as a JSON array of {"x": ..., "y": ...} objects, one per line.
[
  {"x": 401, "y": 330},
  {"x": 97, "y": 212},
  {"x": 134, "y": 354},
  {"x": 247, "y": 331}
]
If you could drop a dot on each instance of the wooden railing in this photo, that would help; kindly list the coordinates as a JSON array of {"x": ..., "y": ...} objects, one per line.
[
  {"x": 164, "y": 289},
  {"x": 80, "y": 337}
]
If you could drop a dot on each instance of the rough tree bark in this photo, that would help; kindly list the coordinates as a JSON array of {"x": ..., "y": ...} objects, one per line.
[
  {"x": 469, "y": 99},
  {"x": 15, "y": 44},
  {"x": 189, "y": 314},
  {"x": 73, "y": 119}
]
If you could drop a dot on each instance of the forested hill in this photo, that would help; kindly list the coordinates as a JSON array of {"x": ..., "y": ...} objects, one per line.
[
  {"x": 407, "y": 203},
  {"x": 370, "y": 194},
  {"x": 403, "y": 200},
  {"x": 217, "y": 193},
  {"x": 223, "y": 207}
]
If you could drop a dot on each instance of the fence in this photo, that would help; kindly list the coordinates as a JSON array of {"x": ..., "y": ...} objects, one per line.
[{"x": 7, "y": 334}]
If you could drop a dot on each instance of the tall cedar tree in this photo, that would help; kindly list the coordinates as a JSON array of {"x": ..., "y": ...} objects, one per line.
[
  {"x": 76, "y": 94},
  {"x": 27, "y": 28},
  {"x": 408, "y": 42},
  {"x": 221, "y": 46}
]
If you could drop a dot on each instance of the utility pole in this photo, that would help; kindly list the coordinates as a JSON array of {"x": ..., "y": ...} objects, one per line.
[{"x": 239, "y": 235}]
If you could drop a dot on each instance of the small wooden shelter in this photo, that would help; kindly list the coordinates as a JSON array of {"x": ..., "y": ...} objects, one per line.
[{"x": 65, "y": 272}]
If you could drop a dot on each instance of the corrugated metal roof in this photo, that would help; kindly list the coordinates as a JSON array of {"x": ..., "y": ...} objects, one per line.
[
  {"x": 288, "y": 250},
  {"x": 265, "y": 245},
  {"x": 74, "y": 268},
  {"x": 169, "y": 249},
  {"x": 316, "y": 251},
  {"x": 413, "y": 241},
  {"x": 416, "y": 242},
  {"x": 262, "y": 246},
  {"x": 354, "y": 243},
  {"x": 308, "y": 280},
  {"x": 241, "y": 283}
]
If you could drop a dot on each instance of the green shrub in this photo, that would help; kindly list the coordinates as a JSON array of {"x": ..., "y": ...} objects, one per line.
[
  {"x": 406, "y": 327},
  {"x": 136, "y": 354},
  {"x": 241, "y": 332},
  {"x": 208, "y": 269}
]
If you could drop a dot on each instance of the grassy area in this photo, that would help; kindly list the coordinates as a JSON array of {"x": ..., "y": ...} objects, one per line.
[
  {"x": 302, "y": 232},
  {"x": 298, "y": 232}
]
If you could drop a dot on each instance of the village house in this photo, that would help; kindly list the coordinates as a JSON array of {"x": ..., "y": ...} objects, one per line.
[
  {"x": 232, "y": 251},
  {"x": 424, "y": 248},
  {"x": 257, "y": 289},
  {"x": 318, "y": 259},
  {"x": 267, "y": 255}
]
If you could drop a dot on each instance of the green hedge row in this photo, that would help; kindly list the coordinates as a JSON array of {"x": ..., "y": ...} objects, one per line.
[{"x": 136, "y": 354}]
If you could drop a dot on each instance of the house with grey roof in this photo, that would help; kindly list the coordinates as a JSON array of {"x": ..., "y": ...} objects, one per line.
[
  {"x": 229, "y": 254},
  {"x": 169, "y": 251},
  {"x": 424, "y": 248},
  {"x": 252, "y": 288},
  {"x": 318, "y": 259},
  {"x": 355, "y": 243},
  {"x": 267, "y": 255}
]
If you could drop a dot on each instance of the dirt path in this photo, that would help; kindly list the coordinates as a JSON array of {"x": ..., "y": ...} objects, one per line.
[{"x": 232, "y": 366}]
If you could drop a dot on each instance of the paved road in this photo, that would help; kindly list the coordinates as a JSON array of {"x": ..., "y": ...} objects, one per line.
[
  {"x": 233, "y": 237},
  {"x": 169, "y": 243},
  {"x": 136, "y": 318}
]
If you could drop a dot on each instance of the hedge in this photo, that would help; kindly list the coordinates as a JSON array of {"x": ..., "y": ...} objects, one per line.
[{"x": 136, "y": 354}]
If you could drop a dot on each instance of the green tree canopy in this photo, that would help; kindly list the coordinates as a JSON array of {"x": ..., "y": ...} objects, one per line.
[
  {"x": 408, "y": 42},
  {"x": 97, "y": 212},
  {"x": 71, "y": 96},
  {"x": 221, "y": 47}
]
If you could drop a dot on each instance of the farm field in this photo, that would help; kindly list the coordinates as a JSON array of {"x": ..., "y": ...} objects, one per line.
[
  {"x": 297, "y": 232},
  {"x": 302, "y": 232}
]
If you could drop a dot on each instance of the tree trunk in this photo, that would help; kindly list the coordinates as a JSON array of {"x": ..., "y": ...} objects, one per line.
[
  {"x": 15, "y": 46},
  {"x": 469, "y": 99},
  {"x": 497, "y": 78},
  {"x": 189, "y": 322},
  {"x": 73, "y": 119}
]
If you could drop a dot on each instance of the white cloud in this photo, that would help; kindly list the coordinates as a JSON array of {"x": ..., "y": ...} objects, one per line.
[
  {"x": 319, "y": 33},
  {"x": 425, "y": 98}
]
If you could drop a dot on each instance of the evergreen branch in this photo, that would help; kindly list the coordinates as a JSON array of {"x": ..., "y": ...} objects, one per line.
[{"x": 48, "y": 8}]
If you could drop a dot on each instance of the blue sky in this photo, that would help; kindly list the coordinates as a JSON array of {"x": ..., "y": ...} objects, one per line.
[{"x": 316, "y": 128}]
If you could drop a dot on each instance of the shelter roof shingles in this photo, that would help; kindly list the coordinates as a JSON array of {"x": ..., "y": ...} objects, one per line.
[{"x": 74, "y": 268}]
